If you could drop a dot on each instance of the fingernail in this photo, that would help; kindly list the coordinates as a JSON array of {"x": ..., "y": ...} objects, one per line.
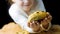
[
  {"x": 45, "y": 18},
  {"x": 37, "y": 23},
  {"x": 47, "y": 12},
  {"x": 31, "y": 23}
]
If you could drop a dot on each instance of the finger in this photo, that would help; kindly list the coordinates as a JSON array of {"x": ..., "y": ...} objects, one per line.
[
  {"x": 43, "y": 22},
  {"x": 50, "y": 17},
  {"x": 31, "y": 25},
  {"x": 34, "y": 22},
  {"x": 48, "y": 13},
  {"x": 47, "y": 20},
  {"x": 38, "y": 24}
]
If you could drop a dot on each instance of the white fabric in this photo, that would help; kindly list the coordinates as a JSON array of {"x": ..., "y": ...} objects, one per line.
[
  {"x": 20, "y": 17},
  {"x": 43, "y": 29}
]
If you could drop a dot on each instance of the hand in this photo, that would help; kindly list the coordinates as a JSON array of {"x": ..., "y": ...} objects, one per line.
[
  {"x": 35, "y": 26},
  {"x": 45, "y": 22}
]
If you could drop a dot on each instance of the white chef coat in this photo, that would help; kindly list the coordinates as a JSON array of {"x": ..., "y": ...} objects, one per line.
[{"x": 20, "y": 17}]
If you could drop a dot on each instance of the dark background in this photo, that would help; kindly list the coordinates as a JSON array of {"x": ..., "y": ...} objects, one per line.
[{"x": 51, "y": 6}]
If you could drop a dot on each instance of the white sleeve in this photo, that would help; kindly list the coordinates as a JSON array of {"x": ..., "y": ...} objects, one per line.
[{"x": 18, "y": 18}]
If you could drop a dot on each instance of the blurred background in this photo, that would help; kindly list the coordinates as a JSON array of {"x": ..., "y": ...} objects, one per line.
[{"x": 51, "y": 6}]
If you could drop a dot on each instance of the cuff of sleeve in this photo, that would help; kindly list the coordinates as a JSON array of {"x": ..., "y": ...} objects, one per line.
[{"x": 47, "y": 28}]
